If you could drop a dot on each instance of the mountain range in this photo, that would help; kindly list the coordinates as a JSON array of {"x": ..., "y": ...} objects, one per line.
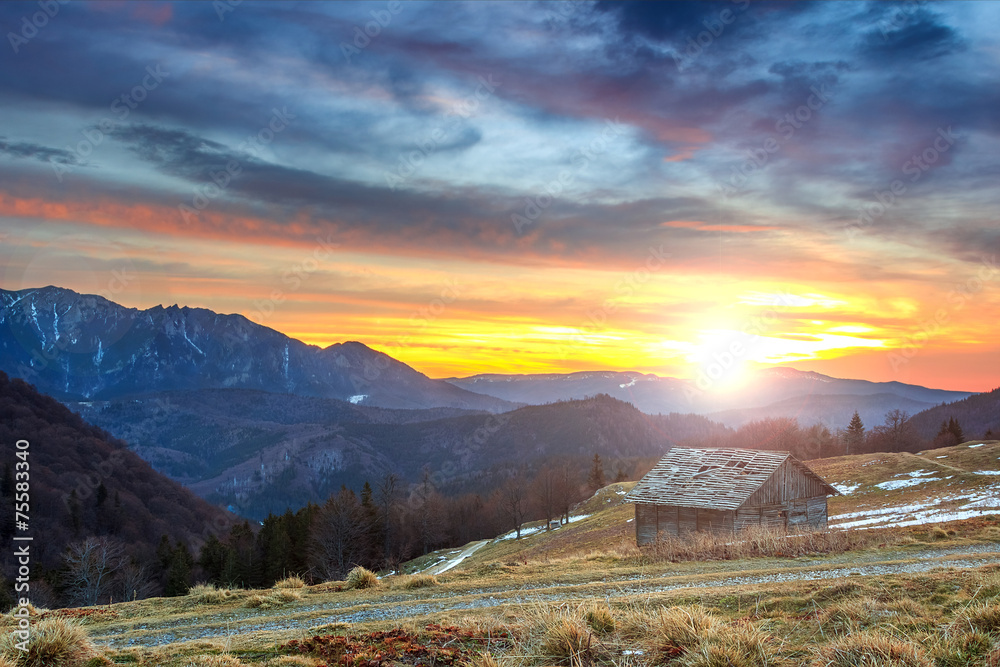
[
  {"x": 250, "y": 418},
  {"x": 80, "y": 347}
]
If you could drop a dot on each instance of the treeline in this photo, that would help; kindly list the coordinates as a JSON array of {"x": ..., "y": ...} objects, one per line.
[{"x": 898, "y": 432}]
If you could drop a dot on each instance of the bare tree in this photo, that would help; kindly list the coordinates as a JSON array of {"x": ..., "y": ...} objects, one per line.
[
  {"x": 386, "y": 499},
  {"x": 514, "y": 501},
  {"x": 339, "y": 535},
  {"x": 133, "y": 582},
  {"x": 545, "y": 489},
  {"x": 91, "y": 565}
]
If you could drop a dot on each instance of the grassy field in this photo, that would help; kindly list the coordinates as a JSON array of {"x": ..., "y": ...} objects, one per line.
[{"x": 583, "y": 594}]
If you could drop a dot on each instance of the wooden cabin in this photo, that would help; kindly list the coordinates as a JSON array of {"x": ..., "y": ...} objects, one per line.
[{"x": 725, "y": 491}]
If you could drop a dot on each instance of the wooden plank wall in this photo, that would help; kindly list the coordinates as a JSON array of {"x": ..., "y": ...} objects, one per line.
[{"x": 786, "y": 483}]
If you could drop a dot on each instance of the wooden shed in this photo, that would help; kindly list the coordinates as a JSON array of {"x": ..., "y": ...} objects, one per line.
[{"x": 726, "y": 490}]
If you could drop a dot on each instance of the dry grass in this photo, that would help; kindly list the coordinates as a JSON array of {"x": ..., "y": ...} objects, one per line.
[
  {"x": 732, "y": 646},
  {"x": 272, "y": 599},
  {"x": 414, "y": 581},
  {"x": 361, "y": 578},
  {"x": 209, "y": 594},
  {"x": 677, "y": 630},
  {"x": 873, "y": 649},
  {"x": 567, "y": 642},
  {"x": 600, "y": 619},
  {"x": 984, "y": 617},
  {"x": 216, "y": 661},
  {"x": 54, "y": 642},
  {"x": 290, "y": 582}
]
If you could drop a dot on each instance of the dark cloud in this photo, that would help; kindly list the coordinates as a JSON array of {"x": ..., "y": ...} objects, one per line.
[
  {"x": 38, "y": 152},
  {"x": 908, "y": 32}
]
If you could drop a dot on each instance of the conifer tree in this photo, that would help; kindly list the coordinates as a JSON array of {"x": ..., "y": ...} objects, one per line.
[
  {"x": 855, "y": 436},
  {"x": 595, "y": 480}
]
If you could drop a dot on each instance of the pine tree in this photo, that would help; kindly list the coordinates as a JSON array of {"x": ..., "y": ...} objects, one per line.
[
  {"x": 596, "y": 478},
  {"x": 956, "y": 430},
  {"x": 855, "y": 436}
]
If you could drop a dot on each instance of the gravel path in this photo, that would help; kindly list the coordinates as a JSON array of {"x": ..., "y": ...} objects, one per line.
[{"x": 231, "y": 623}]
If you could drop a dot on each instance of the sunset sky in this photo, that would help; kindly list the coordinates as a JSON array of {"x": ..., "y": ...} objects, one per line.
[{"x": 524, "y": 187}]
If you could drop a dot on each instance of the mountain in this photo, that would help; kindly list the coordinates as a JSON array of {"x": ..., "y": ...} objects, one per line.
[
  {"x": 262, "y": 452},
  {"x": 976, "y": 414},
  {"x": 778, "y": 392},
  {"x": 83, "y": 482},
  {"x": 80, "y": 347}
]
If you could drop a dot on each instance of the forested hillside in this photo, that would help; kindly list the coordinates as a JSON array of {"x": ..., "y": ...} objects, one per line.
[{"x": 81, "y": 484}]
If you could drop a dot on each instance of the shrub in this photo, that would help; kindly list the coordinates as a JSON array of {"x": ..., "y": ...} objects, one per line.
[
  {"x": 361, "y": 578},
  {"x": 600, "y": 619},
  {"x": 54, "y": 642},
  {"x": 290, "y": 582},
  {"x": 214, "y": 661},
  {"x": 566, "y": 642},
  {"x": 869, "y": 649}
]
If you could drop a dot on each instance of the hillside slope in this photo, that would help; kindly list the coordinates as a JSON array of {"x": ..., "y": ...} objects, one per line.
[
  {"x": 69, "y": 462},
  {"x": 263, "y": 452}
]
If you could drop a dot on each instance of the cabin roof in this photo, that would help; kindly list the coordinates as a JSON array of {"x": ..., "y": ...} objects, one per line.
[{"x": 721, "y": 479}]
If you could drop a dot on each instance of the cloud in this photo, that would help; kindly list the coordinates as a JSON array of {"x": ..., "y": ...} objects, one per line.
[{"x": 25, "y": 150}]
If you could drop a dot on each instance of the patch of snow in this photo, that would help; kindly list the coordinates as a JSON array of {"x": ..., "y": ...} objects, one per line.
[
  {"x": 988, "y": 472},
  {"x": 630, "y": 384},
  {"x": 534, "y": 529},
  {"x": 630, "y": 521},
  {"x": 894, "y": 484},
  {"x": 846, "y": 489},
  {"x": 940, "y": 457},
  {"x": 978, "y": 503},
  {"x": 190, "y": 342},
  {"x": 358, "y": 398},
  {"x": 637, "y": 651},
  {"x": 621, "y": 493},
  {"x": 982, "y": 444}
]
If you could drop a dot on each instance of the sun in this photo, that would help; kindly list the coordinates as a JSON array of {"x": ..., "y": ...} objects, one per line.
[{"x": 720, "y": 360}]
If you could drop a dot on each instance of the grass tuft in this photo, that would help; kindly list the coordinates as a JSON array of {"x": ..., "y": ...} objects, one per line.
[
  {"x": 567, "y": 642},
  {"x": 290, "y": 582},
  {"x": 54, "y": 642},
  {"x": 272, "y": 599},
  {"x": 209, "y": 594},
  {"x": 871, "y": 649},
  {"x": 360, "y": 578},
  {"x": 600, "y": 619},
  {"x": 415, "y": 581},
  {"x": 678, "y": 630}
]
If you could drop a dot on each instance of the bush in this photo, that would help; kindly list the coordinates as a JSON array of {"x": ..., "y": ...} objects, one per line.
[
  {"x": 54, "y": 642},
  {"x": 360, "y": 578},
  {"x": 869, "y": 649},
  {"x": 290, "y": 582}
]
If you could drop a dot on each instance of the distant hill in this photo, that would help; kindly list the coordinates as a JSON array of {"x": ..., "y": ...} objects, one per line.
[
  {"x": 977, "y": 414},
  {"x": 263, "y": 452},
  {"x": 69, "y": 463},
  {"x": 80, "y": 347},
  {"x": 776, "y": 392}
]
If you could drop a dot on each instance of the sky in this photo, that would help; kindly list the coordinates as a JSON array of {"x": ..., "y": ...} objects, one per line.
[{"x": 693, "y": 190}]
